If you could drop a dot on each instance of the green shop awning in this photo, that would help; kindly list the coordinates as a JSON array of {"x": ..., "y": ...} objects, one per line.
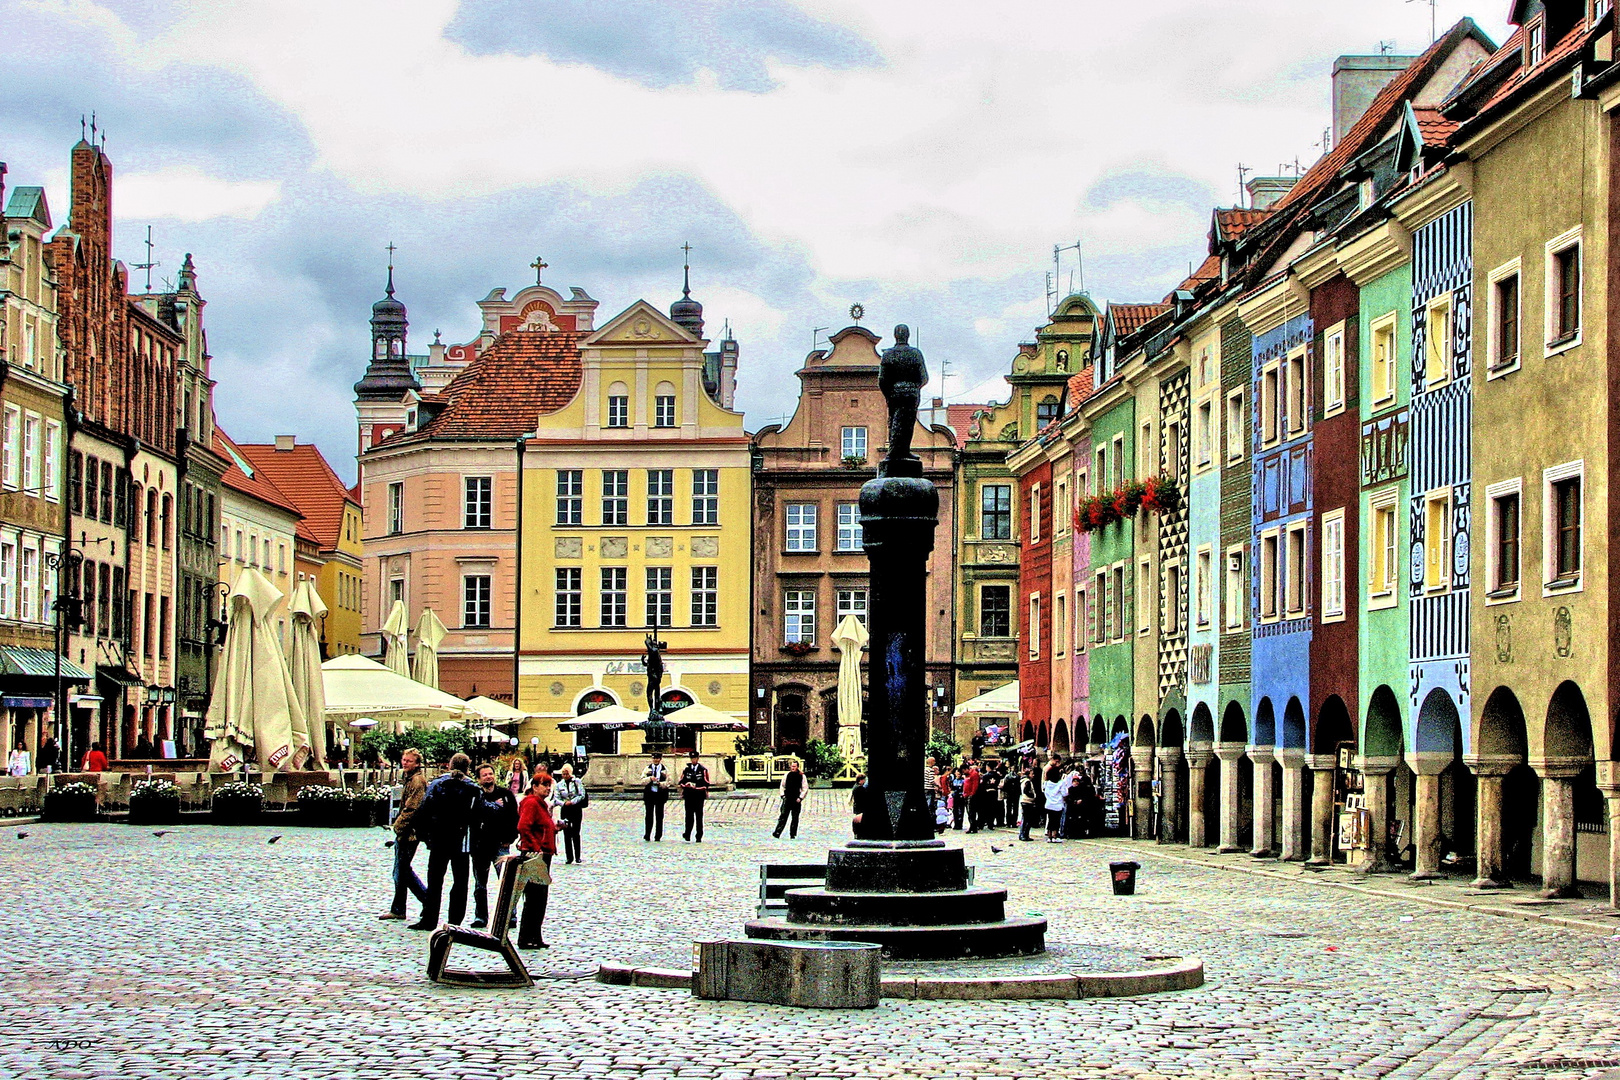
[{"x": 38, "y": 663}]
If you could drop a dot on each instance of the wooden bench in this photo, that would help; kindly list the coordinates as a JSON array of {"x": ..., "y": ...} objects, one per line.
[
  {"x": 775, "y": 879},
  {"x": 495, "y": 941}
]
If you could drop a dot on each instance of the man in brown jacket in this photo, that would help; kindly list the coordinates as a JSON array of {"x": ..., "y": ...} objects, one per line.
[{"x": 405, "y": 838}]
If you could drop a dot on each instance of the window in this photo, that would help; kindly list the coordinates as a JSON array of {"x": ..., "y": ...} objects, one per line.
[
  {"x": 1437, "y": 342},
  {"x": 164, "y": 607},
  {"x": 253, "y": 550},
  {"x": 1502, "y": 550},
  {"x": 1034, "y": 626},
  {"x": 570, "y": 496},
  {"x": 618, "y": 409},
  {"x": 1333, "y": 566},
  {"x": 1235, "y": 602},
  {"x": 1082, "y": 618},
  {"x": 799, "y": 616},
  {"x": 477, "y": 501},
  {"x": 1117, "y": 630},
  {"x": 1437, "y": 541},
  {"x": 1203, "y": 440},
  {"x": 1119, "y": 462},
  {"x": 1333, "y": 371},
  {"x": 1203, "y": 589},
  {"x": 705, "y": 596},
  {"x": 1563, "y": 529},
  {"x": 1034, "y": 513},
  {"x": 1384, "y": 359},
  {"x": 1294, "y": 586},
  {"x": 1535, "y": 43},
  {"x": 8, "y": 579},
  {"x": 1047, "y": 410},
  {"x": 1102, "y": 469},
  {"x": 1145, "y": 464},
  {"x": 1235, "y": 435},
  {"x": 1172, "y": 598},
  {"x": 30, "y": 453},
  {"x": 615, "y": 496},
  {"x": 849, "y": 527},
  {"x": 1172, "y": 451},
  {"x": 705, "y": 496},
  {"x": 663, "y": 411},
  {"x": 1564, "y": 291},
  {"x": 76, "y": 482},
  {"x": 1503, "y": 344},
  {"x": 995, "y": 512},
  {"x": 1296, "y": 391},
  {"x": 239, "y": 549},
  {"x": 851, "y": 602},
  {"x": 1383, "y": 561},
  {"x": 1061, "y": 514},
  {"x": 475, "y": 600},
  {"x": 114, "y": 496},
  {"x": 152, "y": 518},
  {"x": 569, "y": 595},
  {"x": 1097, "y": 617},
  {"x": 615, "y": 601},
  {"x": 1268, "y": 576},
  {"x": 854, "y": 442},
  {"x": 10, "y": 451},
  {"x": 660, "y": 496},
  {"x": 1144, "y": 590},
  {"x": 396, "y": 509},
  {"x": 1268, "y": 405},
  {"x": 660, "y": 596},
  {"x": 995, "y": 611},
  {"x": 801, "y": 526}
]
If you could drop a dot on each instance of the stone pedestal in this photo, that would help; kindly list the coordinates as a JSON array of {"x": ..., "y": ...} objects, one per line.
[
  {"x": 1170, "y": 800},
  {"x": 1558, "y": 825},
  {"x": 1264, "y": 802},
  {"x": 1293, "y": 805},
  {"x": 1230, "y": 754},
  {"x": 910, "y": 897},
  {"x": 1426, "y": 812},
  {"x": 1375, "y": 773},
  {"x": 1199, "y": 755},
  {"x": 1324, "y": 767},
  {"x": 1488, "y": 850}
]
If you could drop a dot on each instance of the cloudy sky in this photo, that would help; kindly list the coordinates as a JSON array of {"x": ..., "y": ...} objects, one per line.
[{"x": 921, "y": 158}]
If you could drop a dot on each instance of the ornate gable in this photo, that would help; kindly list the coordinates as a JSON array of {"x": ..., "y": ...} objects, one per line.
[{"x": 640, "y": 325}]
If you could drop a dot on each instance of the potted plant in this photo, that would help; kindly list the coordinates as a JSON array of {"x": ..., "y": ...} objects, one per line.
[
  {"x": 370, "y": 806},
  {"x": 323, "y": 807},
  {"x": 70, "y": 802},
  {"x": 154, "y": 802},
  {"x": 822, "y": 760},
  {"x": 238, "y": 803},
  {"x": 854, "y": 461},
  {"x": 799, "y": 648}
]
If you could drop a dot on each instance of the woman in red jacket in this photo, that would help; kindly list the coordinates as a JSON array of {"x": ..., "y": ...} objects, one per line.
[{"x": 537, "y": 838}]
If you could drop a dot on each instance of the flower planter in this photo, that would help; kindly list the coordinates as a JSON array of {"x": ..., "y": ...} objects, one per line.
[
  {"x": 154, "y": 802},
  {"x": 74, "y": 802},
  {"x": 237, "y": 804}
]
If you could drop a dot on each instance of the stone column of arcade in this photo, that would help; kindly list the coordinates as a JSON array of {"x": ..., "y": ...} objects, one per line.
[
  {"x": 895, "y": 884},
  {"x": 1170, "y": 800},
  {"x": 1608, "y": 779},
  {"x": 1264, "y": 801},
  {"x": 1230, "y": 754},
  {"x": 1376, "y": 772},
  {"x": 1293, "y": 804},
  {"x": 1142, "y": 781},
  {"x": 1490, "y": 772},
  {"x": 1199, "y": 755},
  {"x": 1324, "y": 772},
  {"x": 1558, "y": 825},
  {"x": 1426, "y": 811}
]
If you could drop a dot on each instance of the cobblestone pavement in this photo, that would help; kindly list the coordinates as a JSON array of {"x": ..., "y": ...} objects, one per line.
[{"x": 210, "y": 953}]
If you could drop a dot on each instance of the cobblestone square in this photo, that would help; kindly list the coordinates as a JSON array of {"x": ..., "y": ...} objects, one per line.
[{"x": 210, "y": 953}]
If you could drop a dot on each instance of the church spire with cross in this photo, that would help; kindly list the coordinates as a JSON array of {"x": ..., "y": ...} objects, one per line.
[
  {"x": 388, "y": 376},
  {"x": 687, "y": 312}
]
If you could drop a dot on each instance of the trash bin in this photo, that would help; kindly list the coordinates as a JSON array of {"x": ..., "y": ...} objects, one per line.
[{"x": 1124, "y": 876}]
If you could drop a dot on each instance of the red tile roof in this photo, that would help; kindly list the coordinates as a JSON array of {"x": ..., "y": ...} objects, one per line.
[
  {"x": 303, "y": 476},
  {"x": 960, "y": 420},
  {"x": 1434, "y": 128},
  {"x": 504, "y": 391},
  {"x": 1233, "y": 221},
  {"x": 1080, "y": 385},
  {"x": 1379, "y": 115},
  {"x": 1572, "y": 42},
  {"x": 1129, "y": 318},
  {"x": 258, "y": 486}
]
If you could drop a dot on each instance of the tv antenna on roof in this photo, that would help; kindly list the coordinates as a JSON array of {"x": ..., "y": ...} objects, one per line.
[
  {"x": 1434, "y": 16},
  {"x": 1243, "y": 172},
  {"x": 149, "y": 263}
]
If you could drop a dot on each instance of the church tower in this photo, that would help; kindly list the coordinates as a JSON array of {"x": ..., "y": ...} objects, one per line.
[{"x": 387, "y": 393}]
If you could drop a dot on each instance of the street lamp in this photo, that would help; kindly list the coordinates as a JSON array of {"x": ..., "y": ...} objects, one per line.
[{"x": 69, "y": 611}]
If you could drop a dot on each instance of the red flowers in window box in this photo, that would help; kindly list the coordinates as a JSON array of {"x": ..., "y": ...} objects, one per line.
[{"x": 1156, "y": 494}]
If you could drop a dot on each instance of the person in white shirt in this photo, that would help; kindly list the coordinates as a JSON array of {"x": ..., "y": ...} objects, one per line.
[
  {"x": 1055, "y": 788},
  {"x": 17, "y": 763}
]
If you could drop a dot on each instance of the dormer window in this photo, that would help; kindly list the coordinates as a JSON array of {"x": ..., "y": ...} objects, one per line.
[
  {"x": 1535, "y": 42},
  {"x": 1049, "y": 409}
]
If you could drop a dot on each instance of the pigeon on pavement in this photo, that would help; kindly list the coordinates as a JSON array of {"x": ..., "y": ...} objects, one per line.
[{"x": 272, "y": 840}]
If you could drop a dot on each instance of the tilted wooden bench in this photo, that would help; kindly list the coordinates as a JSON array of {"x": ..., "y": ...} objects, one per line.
[{"x": 495, "y": 941}]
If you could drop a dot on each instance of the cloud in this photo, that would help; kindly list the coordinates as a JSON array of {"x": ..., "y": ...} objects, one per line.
[
  {"x": 662, "y": 43},
  {"x": 185, "y": 194}
]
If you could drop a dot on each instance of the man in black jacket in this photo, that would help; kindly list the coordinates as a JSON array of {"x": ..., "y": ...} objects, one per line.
[
  {"x": 495, "y": 814},
  {"x": 794, "y": 787},
  {"x": 694, "y": 793},
  {"x": 654, "y": 794},
  {"x": 445, "y": 823}
]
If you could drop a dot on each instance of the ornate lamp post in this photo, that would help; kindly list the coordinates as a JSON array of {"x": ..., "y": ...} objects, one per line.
[{"x": 69, "y": 612}]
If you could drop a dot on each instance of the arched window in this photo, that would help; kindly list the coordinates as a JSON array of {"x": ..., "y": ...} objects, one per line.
[
  {"x": 618, "y": 406},
  {"x": 1048, "y": 409},
  {"x": 664, "y": 405}
]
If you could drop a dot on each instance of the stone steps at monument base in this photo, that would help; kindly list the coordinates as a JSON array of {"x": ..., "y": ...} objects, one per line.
[
  {"x": 818, "y": 906},
  {"x": 1010, "y": 937}
]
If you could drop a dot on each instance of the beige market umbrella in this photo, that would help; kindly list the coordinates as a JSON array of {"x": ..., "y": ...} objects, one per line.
[
  {"x": 698, "y": 715},
  {"x": 359, "y": 688},
  {"x": 304, "y": 665},
  {"x": 497, "y": 712},
  {"x": 254, "y": 712},
  {"x": 396, "y": 654},
  {"x": 430, "y": 632},
  {"x": 849, "y": 637}
]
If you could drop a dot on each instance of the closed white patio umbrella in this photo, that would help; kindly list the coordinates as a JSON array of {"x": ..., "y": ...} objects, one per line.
[
  {"x": 254, "y": 713},
  {"x": 304, "y": 665},
  {"x": 396, "y": 653},
  {"x": 430, "y": 632},
  {"x": 850, "y": 637}
]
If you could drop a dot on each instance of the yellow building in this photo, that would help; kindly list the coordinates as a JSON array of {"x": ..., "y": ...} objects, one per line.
[{"x": 635, "y": 518}]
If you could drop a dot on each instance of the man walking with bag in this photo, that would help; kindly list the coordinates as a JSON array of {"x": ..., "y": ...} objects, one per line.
[
  {"x": 694, "y": 793},
  {"x": 445, "y": 822},
  {"x": 405, "y": 839},
  {"x": 655, "y": 793},
  {"x": 571, "y": 799}
]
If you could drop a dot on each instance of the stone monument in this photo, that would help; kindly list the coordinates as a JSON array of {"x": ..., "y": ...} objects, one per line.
[{"x": 899, "y": 887}]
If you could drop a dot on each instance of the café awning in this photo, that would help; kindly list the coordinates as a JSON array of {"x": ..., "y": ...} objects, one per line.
[
  {"x": 38, "y": 663},
  {"x": 1003, "y": 701},
  {"x": 360, "y": 687},
  {"x": 607, "y": 718}
]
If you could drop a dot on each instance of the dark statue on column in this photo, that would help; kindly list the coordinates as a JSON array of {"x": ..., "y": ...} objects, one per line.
[
  {"x": 901, "y": 376},
  {"x": 655, "y": 675}
]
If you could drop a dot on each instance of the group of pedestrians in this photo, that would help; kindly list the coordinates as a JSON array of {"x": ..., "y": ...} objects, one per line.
[
  {"x": 980, "y": 793},
  {"x": 469, "y": 825},
  {"x": 1059, "y": 796}
]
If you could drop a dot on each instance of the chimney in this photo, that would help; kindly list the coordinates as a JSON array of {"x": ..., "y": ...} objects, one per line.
[
  {"x": 1264, "y": 191},
  {"x": 285, "y": 443},
  {"x": 1356, "y": 81}
]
